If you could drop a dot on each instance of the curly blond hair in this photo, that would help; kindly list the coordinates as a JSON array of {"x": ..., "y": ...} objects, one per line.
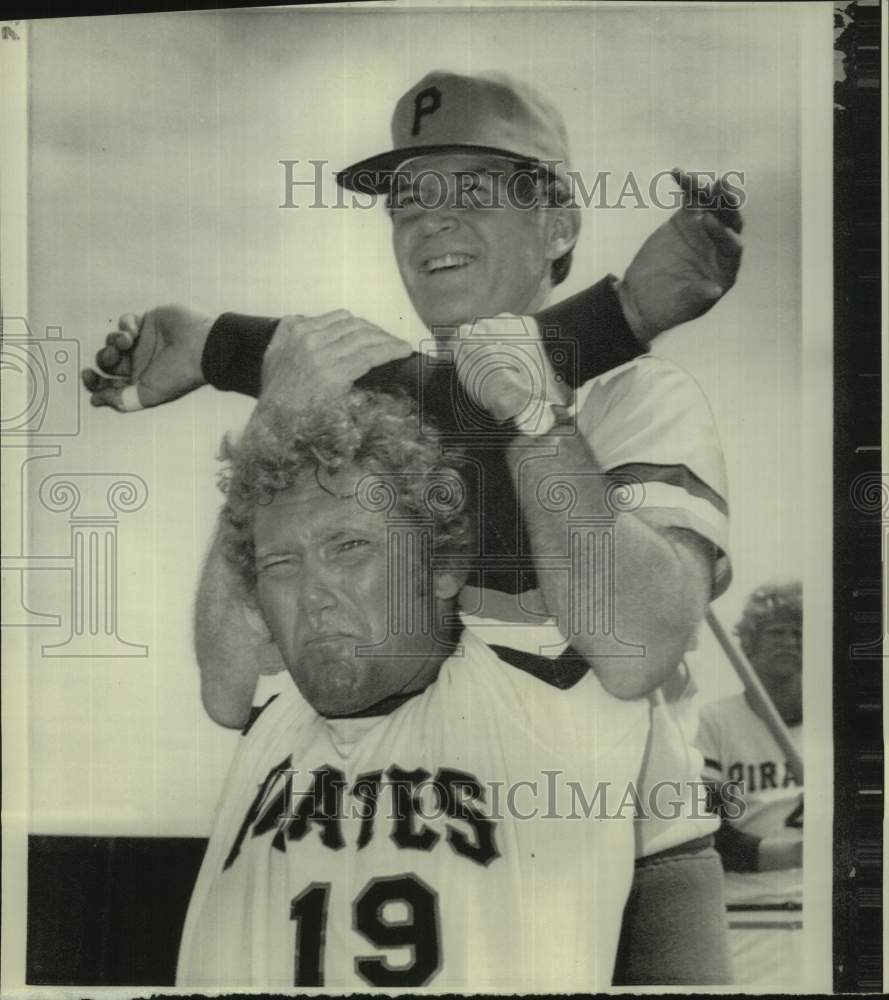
[
  {"x": 780, "y": 599},
  {"x": 378, "y": 431}
]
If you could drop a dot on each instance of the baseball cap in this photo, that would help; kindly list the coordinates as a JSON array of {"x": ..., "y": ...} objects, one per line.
[{"x": 448, "y": 113}]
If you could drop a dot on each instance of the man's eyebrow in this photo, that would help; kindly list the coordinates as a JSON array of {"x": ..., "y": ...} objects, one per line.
[
  {"x": 340, "y": 533},
  {"x": 333, "y": 541}
]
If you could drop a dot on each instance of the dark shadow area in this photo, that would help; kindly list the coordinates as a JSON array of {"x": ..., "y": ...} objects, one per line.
[{"x": 108, "y": 911}]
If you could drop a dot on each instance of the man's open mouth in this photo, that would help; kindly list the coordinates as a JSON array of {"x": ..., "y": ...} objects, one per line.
[{"x": 446, "y": 262}]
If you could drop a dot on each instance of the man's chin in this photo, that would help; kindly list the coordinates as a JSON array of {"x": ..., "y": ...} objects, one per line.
[
  {"x": 333, "y": 686},
  {"x": 338, "y": 710},
  {"x": 444, "y": 323},
  {"x": 447, "y": 311},
  {"x": 337, "y": 703}
]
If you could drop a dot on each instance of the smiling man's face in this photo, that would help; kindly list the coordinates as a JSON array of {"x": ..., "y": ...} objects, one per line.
[
  {"x": 462, "y": 261},
  {"x": 324, "y": 585}
]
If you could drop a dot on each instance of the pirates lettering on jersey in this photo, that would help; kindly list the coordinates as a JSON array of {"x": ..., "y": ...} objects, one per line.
[
  {"x": 366, "y": 791},
  {"x": 256, "y": 805},
  {"x": 762, "y": 776},
  {"x": 409, "y": 831},
  {"x": 291, "y": 815}
]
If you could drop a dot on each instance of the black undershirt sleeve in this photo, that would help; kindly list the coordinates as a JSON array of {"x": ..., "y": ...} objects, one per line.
[
  {"x": 593, "y": 317},
  {"x": 236, "y": 344},
  {"x": 739, "y": 851},
  {"x": 233, "y": 353}
]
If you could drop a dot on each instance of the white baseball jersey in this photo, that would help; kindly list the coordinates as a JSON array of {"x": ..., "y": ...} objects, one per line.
[
  {"x": 650, "y": 419},
  {"x": 443, "y": 845},
  {"x": 738, "y": 747}
]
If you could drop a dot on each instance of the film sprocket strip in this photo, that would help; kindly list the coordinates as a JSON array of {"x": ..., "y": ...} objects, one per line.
[{"x": 861, "y": 508}]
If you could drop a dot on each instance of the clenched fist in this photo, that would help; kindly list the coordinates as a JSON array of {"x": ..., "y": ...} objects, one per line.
[
  {"x": 159, "y": 353},
  {"x": 503, "y": 367},
  {"x": 687, "y": 264}
]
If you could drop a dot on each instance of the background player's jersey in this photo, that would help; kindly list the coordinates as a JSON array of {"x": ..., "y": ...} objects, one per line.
[
  {"x": 738, "y": 747},
  {"x": 379, "y": 879}
]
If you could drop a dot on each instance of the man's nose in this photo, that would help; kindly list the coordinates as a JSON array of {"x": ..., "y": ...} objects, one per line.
[
  {"x": 438, "y": 220},
  {"x": 317, "y": 594}
]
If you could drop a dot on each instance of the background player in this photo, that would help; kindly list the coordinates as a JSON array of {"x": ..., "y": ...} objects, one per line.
[{"x": 761, "y": 837}]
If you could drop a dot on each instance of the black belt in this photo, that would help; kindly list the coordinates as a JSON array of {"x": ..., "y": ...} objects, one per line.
[
  {"x": 790, "y": 906},
  {"x": 695, "y": 846}
]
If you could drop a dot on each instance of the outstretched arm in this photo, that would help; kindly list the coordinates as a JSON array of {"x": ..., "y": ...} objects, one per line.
[
  {"x": 172, "y": 350},
  {"x": 680, "y": 272}
]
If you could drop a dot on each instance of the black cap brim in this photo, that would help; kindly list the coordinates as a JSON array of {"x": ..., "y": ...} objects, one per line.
[{"x": 374, "y": 175}]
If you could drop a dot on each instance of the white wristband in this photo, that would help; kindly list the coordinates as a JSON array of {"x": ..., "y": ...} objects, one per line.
[
  {"x": 538, "y": 423},
  {"x": 129, "y": 399}
]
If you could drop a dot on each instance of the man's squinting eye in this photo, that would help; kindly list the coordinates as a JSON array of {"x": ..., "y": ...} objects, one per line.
[
  {"x": 351, "y": 545},
  {"x": 471, "y": 188},
  {"x": 402, "y": 203},
  {"x": 481, "y": 181},
  {"x": 278, "y": 565}
]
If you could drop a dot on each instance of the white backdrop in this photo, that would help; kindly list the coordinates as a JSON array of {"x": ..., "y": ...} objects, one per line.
[{"x": 155, "y": 143}]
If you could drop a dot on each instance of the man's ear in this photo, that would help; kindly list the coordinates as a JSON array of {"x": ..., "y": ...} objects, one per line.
[
  {"x": 448, "y": 584},
  {"x": 564, "y": 231},
  {"x": 249, "y": 597},
  {"x": 253, "y": 616}
]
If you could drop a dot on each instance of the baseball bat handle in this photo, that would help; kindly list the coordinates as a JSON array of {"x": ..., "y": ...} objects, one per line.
[{"x": 758, "y": 696}]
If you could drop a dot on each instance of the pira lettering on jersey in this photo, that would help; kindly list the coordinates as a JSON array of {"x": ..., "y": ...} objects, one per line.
[
  {"x": 289, "y": 813},
  {"x": 759, "y": 777}
]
